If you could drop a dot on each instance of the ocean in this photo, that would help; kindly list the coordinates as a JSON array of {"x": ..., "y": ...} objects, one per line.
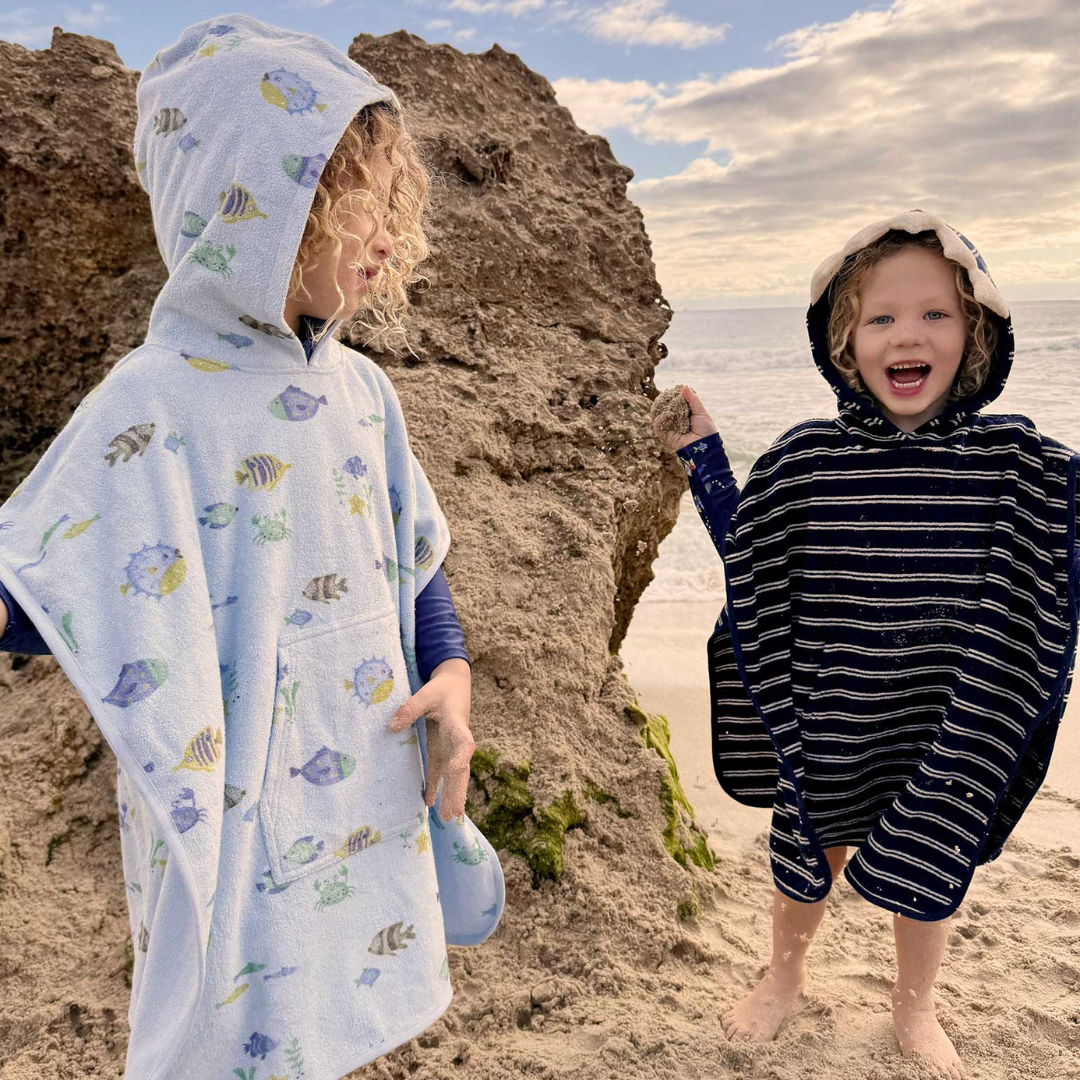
[{"x": 753, "y": 371}]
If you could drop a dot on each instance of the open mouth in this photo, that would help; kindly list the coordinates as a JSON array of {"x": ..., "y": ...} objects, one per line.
[{"x": 907, "y": 377}]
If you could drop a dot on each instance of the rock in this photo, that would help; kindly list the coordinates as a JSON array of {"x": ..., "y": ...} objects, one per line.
[{"x": 671, "y": 412}]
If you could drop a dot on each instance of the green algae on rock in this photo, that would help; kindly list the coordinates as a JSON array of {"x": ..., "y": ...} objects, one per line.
[
  {"x": 656, "y": 734},
  {"x": 512, "y": 820}
]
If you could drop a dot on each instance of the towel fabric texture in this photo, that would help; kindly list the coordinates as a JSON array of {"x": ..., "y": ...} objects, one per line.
[
  {"x": 223, "y": 549},
  {"x": 439, "y": 635},
  {"x": 897, "y": 644}
]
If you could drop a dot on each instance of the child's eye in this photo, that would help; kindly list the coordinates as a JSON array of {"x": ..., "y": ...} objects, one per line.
[
  {"x": 876, "y": 321},
  {"x": 930, "y": 315}
]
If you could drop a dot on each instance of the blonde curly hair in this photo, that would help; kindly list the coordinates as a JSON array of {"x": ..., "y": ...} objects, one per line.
[
  {"x": 345, "y": 181},
  {"x": 844, "y": 314}
]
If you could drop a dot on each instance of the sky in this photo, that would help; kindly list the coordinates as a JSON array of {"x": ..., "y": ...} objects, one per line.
[{"x": 761, "y": 134}]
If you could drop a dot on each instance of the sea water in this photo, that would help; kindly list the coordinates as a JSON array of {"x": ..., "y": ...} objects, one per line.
[{"x": 753, "y": 371}]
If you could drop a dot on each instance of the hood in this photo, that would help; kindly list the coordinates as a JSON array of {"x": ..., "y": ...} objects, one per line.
[
  {"x": 235, "y": 122},
  {"x": 857, "y": 414}
]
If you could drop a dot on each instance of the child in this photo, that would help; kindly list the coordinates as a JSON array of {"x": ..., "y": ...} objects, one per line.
[
  {"x": 897, "y": 644},
  {"x": 225, "y": 549}
]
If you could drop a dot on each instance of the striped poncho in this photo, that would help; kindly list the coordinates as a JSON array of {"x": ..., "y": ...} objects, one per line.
[{"x": 897, "y": 645}]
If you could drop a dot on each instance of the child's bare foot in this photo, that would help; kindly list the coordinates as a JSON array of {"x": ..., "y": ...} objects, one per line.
[
  {"x": 759, "y": 1015},
  {"x": 920, "y": 1035}
]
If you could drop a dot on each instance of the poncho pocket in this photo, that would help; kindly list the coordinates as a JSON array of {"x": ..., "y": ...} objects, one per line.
[{"x": 337, "y": 781}]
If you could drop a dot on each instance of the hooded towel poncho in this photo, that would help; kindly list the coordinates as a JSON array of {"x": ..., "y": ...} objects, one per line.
[
  {"x": 897, "y": 646},
  {"x": 222, "y": 548}
]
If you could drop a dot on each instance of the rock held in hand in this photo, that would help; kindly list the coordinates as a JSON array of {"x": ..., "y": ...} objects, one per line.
[{"x": 670, "y": 413}]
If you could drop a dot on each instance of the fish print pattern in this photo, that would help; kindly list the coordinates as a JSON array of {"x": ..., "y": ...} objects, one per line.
[
  {"x": 137, "y": 681},
  {"x": 373, "y": 681},
  {"x": 326, "y": 767},
  {"x": 304, "y": 170},
  {"x": 169, "y": 120},
  {"x": 238, "y": 204},
  {"x": 390, "y": 940},
  {"x": 218, "y": 515},
  {"x": 264, "y": 327},
  {"x": 290, "y": 92},
  {"x": 294, "y": 404},
  {"x": 325, "y": 588},
  {"x": 203, "y": 751},
  {"x": 261, "y": 471},
  {"x": 128, "y": 443}
]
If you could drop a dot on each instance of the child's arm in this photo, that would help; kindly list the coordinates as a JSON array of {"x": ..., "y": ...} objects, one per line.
[
  {"x": 712, "y": 483},
  {"x": 17, "y": 633},
  {"x": 439, "y": 635},
  {"x": 701, "y": 452}
]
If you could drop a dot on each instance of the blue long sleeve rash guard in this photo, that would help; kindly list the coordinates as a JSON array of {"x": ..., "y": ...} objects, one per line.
[{"x": 712, "y": 484}]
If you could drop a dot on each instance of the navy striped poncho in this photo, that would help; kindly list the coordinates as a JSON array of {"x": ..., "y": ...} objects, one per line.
[{"x": 894, "y": 656}]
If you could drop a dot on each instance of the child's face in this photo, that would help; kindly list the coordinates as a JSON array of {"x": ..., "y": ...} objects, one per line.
[
  {"x": 910, "y": 311},
  {"x": 358, "y": 263}
]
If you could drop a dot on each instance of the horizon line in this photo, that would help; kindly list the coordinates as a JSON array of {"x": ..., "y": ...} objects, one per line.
[{"x": 796, "y": 307}]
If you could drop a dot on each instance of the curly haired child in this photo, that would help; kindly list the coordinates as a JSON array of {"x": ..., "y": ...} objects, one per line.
[{"x": 897, "y": 643}]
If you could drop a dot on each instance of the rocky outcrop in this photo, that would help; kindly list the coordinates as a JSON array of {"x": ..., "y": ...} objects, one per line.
[{"x": 527, "y": 398}]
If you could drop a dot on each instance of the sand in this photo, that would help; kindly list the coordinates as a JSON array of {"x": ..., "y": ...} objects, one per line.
[{"x": 1009, "y": 987}]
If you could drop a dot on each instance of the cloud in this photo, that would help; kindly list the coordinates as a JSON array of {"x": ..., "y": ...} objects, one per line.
[
  {"x": 484, "y": 7},
  {"x": 600, "y": 104},
  {"x": 622, "y": 22},
  {"x": 968, "y": 109},
  {"x": 97, "y": 15},
  {"x": 20, "y": 27},
  {"x": 647, "y": 22}
]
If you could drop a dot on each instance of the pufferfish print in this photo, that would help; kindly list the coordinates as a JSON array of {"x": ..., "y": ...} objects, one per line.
[
  {"x": 373, "y": 681},
  {"x": 238, "y": 204},
  {"x": 290, "y": 92},
  {"x": 154, "y": 570},
  {"x": 203, "y": 751}
]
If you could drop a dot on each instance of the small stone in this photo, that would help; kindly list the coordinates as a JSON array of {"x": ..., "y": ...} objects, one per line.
[{"x": 670, "y": 412}]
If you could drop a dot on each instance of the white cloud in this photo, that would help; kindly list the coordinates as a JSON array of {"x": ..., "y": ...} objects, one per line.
[
  {"x": 437, "y": 24},
  {"x": 465, "y": 34},
  {"x": 647, "y": 22},
  {"x": 20, "y": 27},
  {"x": 967, "y": 109},
  {"x": 600, "y": 104},
  {"x": 97, "y": 15},
  {"x": 483, "y": 7}
]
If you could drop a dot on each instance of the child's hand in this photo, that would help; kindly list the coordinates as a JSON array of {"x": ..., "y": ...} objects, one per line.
[
  {"x": 701, "y": 423},
  {"x": 445, "y": 700}
]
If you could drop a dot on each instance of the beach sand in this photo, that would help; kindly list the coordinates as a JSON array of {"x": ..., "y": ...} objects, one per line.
[{"x": 1009, "y": 986}]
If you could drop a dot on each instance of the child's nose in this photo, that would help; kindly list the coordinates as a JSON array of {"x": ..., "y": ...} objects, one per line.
[
  {"x": 906, "y": 331},
  {"x": 382, "y": 243}
]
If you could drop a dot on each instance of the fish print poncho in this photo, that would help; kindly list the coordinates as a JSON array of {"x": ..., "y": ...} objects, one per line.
[
  {"x": 223, "y": 548},
  {"x": 897, "y": 645}
]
